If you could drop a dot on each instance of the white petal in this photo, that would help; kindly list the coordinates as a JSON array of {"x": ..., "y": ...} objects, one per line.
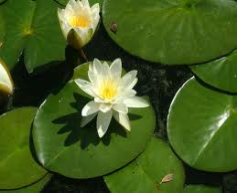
[
  {"x": 125, "y": 94},
  {"x": 105, "y": 107},
  {"x": 121, "y": 108},
  {"x": 85, "y": 3},
  {"x": 72, "y": 3},
  {"x": 5, "y": 78},
  {"x": 95, "y": 9},
  {"x": 123, "y": 120},
  {"x": 116, "y": 68},
  {"x": 85, "y": 86},
  {"x": 81, "y": 36},
  {"x": 93, "y": 78},
  {"x": 97, "y": 66},
  {"x": 103, "y": 121},
  {"x": 65, "y": 27},
  {"x": 129, "y": 80},
  {"x": 90, "y": 108},
  {"x": 86, "y": 120},
  {"x": 136, "y": 102}
]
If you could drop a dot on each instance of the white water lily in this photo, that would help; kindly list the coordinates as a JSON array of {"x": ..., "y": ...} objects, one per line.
[
  {"x": 6, "y": 83},
  {"x": 79, "y": 22},
  {"x": 112, "y": 94}
]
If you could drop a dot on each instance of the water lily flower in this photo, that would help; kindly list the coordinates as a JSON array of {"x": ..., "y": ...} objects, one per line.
[
  {"x": 112, "y": 95},
  {"x": 6, "y": 83},
  {"x": 79, "y": 22}
]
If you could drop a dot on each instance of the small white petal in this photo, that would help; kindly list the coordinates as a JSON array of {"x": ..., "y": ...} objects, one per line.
[
  {"x": 136, "y": 102},
  {"x": 121, "y": 108},
  {"x": 105, "y": 107},
  {"x": 97, "y": 66},
  {"x": 123, "y": 120},
  {"x": 85, "y": 3},
  {"x": 103, "y": 121},
  {"x": 116, "y": 68},
  {"x": 86, "y": 120},
  {"x": 96, "y": 9},
  {"x": 85, "y": 86},
  {"x": 72, "y": 3},
  {"x": 125, "y": 94},
  {"x": 90, "y": 108},
  {"x": 5, "y": 79},
  {"x": 93, "y": 78},
  {"x": 129, "y": 80}
]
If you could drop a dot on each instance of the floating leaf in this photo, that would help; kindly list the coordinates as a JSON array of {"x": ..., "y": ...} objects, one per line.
[
  {"x": 146, "y": 172},
  {"x": 32, "y": 27},
  {"x": 173, "y": 32},
  {"x": 63, "y": 147},
  {"x": 220, "y": 73},
  {"x": 201, "y": 189},
  {"x": 17, "y": 166},
  {"x": 2, "y": 28},
  {"x": 34, "y": 188},
  {"x": 202, "y": 127}
]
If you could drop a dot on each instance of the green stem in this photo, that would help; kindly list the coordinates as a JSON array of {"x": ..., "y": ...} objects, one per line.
[{"x": 83, "y": 55}]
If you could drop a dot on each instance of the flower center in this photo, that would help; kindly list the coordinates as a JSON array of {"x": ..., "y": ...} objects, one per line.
[
  {"x": 80, "y": 21},
  {"x": 108, "y": 89}
]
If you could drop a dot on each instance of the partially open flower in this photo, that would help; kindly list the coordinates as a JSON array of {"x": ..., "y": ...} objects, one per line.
[
  {"x": 6, "y": 83},
  {"x": 79, "y": 22},
  {"x": 112, "y": 94}
]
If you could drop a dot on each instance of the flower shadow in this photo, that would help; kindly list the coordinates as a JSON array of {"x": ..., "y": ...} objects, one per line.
[{"x": 87, "y": 135}]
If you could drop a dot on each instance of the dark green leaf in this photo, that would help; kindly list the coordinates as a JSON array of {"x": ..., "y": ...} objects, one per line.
[
  {"x": 32, "y": 27},
  {"x": 202, "y": 127},
  {"x": 17, "y": 166},
  {"x": 63, "y": 147},
  {"x": 201, "y": 189},
  {"x": 221, "y": 73},
  {"x": 148, "y": 172},
  {"x": 34, "y": 188},
  {"x": 173, "y": 32}
]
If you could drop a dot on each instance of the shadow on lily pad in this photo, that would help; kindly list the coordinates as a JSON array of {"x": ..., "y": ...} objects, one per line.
[{"x": 87, "y": 135}]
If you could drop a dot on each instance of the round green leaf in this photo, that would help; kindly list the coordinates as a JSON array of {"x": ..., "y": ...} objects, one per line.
[
  {"x": 17, "y": 166},
  {"x": 2, "y": 28},
  {"x": 63, "y": 147},
  {"x": 202, "y": 127},
  {"x": 145, "y": 174},
  {"x": 201, "y": 189},
  {"x": 173, "y": 32},
  {"x": 34, "y": 188},
  {"x": 38, "y": 35},
  {"x": 220, "y": 73}
]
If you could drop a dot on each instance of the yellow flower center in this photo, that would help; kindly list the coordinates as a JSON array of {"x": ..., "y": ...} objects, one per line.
[
  {"x": 108, "y": 89},
  {"x": 80, "y": 21}
]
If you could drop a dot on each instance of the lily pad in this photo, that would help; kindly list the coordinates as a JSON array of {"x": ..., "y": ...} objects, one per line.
[
  {"x": 34, "y": 188},
  {"x": 2, "y": 28},
  {"x": 173, "y": 32},
  {"x": 17, "y": 166},
  {"x": 220, "y": 73},
  {"x": 157, "y": 169},
  {"x": 202, "y": 127},
  {"x": 201, "y": 189},
  {"x": 38, "y": 35},
  {"x": 63, "y": 147}
]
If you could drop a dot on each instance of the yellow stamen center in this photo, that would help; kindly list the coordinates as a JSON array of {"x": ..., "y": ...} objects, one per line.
[
  {"x": 108, "y": 89},
  {"x": 80, "y": 21}
]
